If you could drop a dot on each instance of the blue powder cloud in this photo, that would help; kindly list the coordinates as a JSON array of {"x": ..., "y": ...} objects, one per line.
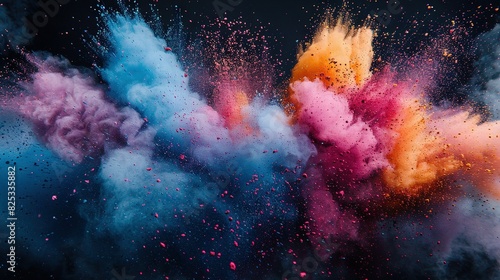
[{"x": 209, "y": 191}]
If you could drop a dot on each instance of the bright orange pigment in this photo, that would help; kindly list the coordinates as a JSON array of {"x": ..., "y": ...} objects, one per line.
[
  {"x": 419, "y": 157},
  {"x": 339, "y": 55}
]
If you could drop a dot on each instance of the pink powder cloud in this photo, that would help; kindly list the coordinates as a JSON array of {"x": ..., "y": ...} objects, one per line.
[
  {"x": 70, "y": 113},
  {"x": 346, "y": 144}
]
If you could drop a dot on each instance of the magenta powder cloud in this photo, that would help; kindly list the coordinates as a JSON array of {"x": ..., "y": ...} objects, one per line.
[{"x": 349, "y": 146}]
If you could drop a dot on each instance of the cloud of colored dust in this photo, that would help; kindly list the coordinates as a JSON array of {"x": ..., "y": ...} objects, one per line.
[
  {"x": 355, "y": 145},
  {"x": 378, "y": 137}
]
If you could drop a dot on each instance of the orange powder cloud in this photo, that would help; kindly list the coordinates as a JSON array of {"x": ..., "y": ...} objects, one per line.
[
  {"x": 419, "y": 157},
  {"x": 339, "y": 56}
]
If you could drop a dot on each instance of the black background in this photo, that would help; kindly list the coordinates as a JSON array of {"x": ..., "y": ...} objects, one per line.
[{"x": 287, "y": 23}]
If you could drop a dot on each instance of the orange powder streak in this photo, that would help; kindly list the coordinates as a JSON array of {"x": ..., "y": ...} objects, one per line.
[
  {"x": 339, "y": 56},
  {"x": 419, "y": 158}
]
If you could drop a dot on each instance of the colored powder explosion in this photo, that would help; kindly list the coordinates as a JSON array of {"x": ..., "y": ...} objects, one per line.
[
  {"x": 378, "y": 138},
  {"x": 230, "y": 184}
]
